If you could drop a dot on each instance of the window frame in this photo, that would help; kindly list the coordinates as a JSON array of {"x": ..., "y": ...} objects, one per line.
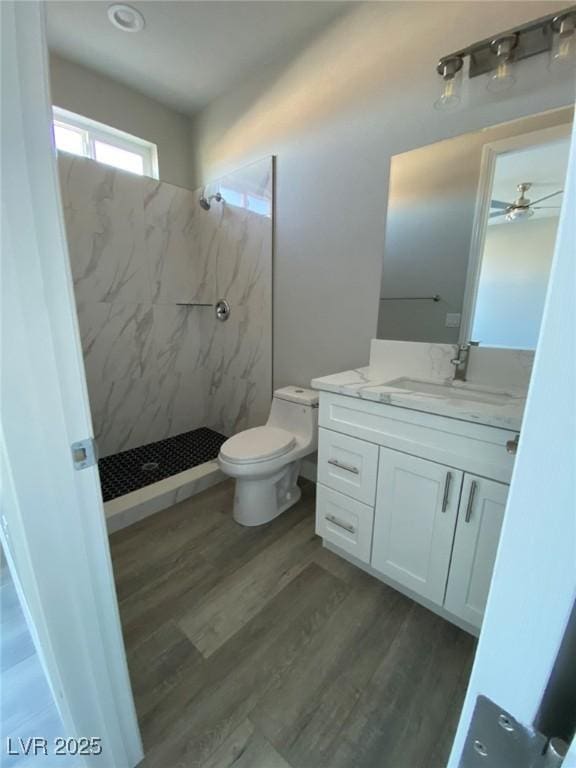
[{"x": 93, "y": 131}]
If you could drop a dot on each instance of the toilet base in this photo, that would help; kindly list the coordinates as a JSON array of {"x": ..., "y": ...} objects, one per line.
[{"x": 260, "y": 500}]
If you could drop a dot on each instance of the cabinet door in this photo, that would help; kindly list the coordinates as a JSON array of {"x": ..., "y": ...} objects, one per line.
[
  {"x": 477, "y": 534},
  {"x": 416, "y": 508}
]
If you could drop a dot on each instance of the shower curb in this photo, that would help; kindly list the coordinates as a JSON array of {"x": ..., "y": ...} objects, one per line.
[{"x": 132, "y": 507}]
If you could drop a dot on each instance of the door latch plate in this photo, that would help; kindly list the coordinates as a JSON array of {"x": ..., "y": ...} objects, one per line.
[{"x": 83, "y": 453}]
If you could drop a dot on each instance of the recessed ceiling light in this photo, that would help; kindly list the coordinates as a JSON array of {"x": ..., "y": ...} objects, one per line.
[{"x": 125, "y": 17}]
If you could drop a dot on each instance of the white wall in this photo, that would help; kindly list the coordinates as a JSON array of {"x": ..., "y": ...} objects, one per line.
[
  {"x": 92, "y": 95},
  {"x": 361, "y": 92},
  {"x": 513, "y": 282}
]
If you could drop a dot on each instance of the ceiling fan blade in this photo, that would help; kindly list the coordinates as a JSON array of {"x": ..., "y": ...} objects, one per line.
[
  {"x": 500, "y": 213},
  {"x": 546, "y": 207},
  {"x": 499, "y": 204},
  {"x": 546, "y": 197}
]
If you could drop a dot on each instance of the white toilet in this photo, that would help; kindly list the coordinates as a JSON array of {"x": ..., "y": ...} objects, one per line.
[{"x": 265, "y": 461}]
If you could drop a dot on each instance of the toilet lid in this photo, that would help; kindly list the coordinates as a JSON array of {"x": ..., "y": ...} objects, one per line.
[{"x": 257, "y": 444}]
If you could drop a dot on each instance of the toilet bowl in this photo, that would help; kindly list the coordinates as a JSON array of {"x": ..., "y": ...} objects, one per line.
[{"x": 265, "y": 461}]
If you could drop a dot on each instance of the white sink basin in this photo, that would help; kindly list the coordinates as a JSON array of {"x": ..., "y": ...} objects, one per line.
[{"x": 457, "y": 390}]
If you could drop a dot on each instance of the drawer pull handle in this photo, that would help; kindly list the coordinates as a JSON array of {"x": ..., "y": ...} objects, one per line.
[
  {"x": 473, "y": 488},
  {"x": 347, "y": 467},
  {"x": 340, "y": 524},
  {"x": 447, "y": 485}
]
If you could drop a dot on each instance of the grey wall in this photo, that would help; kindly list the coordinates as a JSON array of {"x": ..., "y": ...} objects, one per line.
[
  {"x": 360, "y": 93},
  {"x": 92, "y": 95},
  {"x": 431, "y": 206}
]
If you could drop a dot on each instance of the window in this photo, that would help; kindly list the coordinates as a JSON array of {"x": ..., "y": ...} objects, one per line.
[
  {"x": 242, "y": 199},
  {"x": 80, "y": 136}
]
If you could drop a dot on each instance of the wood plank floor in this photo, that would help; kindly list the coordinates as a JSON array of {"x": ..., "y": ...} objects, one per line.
[
  {"x": 257, "y": 648},
  {"x": 27, "y": 708}
]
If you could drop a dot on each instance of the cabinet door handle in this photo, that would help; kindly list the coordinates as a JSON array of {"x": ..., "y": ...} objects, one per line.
[
  {"x": 340, "y": 524},
  {"x": 341, "y": 465},
  {"x": 447, "y": 485},
  {"x": 473, "y": 488}
]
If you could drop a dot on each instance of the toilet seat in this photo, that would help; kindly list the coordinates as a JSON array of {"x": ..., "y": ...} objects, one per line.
[{"x": 257, "y": 444}]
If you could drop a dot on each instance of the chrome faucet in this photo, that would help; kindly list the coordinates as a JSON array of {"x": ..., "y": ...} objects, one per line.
[{"x": 460, "y": 362}]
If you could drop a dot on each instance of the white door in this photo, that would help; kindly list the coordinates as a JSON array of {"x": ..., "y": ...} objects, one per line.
[
  {"x": 534, "y": 584},
  {"x": 52, "y": 518},
  {"x": 480, "y": 519},
  {"x": 416, "y": 508}
]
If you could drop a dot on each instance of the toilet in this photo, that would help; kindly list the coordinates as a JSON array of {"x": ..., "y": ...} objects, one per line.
[{"x": 265, "y": 461}]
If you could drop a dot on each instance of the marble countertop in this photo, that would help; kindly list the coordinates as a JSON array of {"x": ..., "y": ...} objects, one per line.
[{"x": 366, "y": 385}]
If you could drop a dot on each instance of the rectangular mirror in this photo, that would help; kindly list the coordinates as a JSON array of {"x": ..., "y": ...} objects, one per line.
[{"x": 468, "y": 243}]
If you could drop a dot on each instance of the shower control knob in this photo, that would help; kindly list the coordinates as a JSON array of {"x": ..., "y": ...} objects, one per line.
[{"x": 222, "y": 309}]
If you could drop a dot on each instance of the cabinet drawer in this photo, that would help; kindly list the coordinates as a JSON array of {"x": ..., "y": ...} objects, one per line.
[
  {"x": 348, "y": 465},
  {"x": 344, "y": 522}
]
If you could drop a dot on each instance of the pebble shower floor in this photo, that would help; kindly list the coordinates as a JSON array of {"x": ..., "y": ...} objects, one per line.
[{"x": 128, "y": 471}]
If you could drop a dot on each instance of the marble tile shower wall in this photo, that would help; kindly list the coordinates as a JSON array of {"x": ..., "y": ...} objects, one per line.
[{"x": 138, "y": 249}]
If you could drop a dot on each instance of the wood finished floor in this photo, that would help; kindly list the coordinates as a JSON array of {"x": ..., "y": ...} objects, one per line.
[
  {"x": 27, "y": 707},
  {"x": 257, "y": 648}
]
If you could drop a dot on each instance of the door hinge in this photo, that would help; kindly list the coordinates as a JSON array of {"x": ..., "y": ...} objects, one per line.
[
  {"x": 84, "y": 453},
  {"x": 497, "y": 740}
]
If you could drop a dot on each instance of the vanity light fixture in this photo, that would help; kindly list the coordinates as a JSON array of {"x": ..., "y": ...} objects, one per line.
[
  {"x": 502, "y": 78},
  {"x": 126, "y": 18},
  {"x": 450, "y": 69},
  {"x": 498, "y": 56},
  {"x": 563, "y": 53}
]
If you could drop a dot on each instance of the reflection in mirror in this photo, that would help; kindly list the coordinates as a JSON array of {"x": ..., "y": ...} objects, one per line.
[
  {"x": 445, "y": 258},
  {"x": 518, "y": 229}
]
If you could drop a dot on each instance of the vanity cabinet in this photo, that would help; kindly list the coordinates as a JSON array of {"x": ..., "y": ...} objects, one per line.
[
  {"x": 416, "y": 510},
  {"x": 416, "y": 499},
  {"x": 475, "y": 545}
]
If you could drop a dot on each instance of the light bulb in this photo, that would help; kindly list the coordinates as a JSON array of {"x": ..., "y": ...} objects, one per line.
[
  {"x": 451, "y": 72},
  {"x": 502, "y": 78},
  {"x": 517, "y": 214},
  {"x": 563, "y": 53}
]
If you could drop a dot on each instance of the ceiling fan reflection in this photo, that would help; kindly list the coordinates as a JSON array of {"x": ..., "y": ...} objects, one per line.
[{"x": 522, "y": 207}]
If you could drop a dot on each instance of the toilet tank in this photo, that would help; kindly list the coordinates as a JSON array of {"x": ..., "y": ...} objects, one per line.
[{"x": 295, "y": 409}]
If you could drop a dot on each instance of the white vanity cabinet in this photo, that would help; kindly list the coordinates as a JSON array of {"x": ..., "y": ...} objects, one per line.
[
  {"x": 475, "y": 544},
  {"x": 416, "y": 510},
  {"x": 416, "y": 499}
]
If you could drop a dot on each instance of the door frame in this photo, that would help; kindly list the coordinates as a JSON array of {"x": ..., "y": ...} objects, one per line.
[
  {"x": 52, "y": 520},
  {"x": 533, "y": 588},
  {"x": 490, "y": 153}
]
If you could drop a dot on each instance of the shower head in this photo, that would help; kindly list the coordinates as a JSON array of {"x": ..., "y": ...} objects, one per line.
[{"x": 205, "y": 202}]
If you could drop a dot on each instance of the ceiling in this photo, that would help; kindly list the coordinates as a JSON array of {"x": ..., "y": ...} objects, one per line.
[
  {"x": 544, "y": 166},
  {"x": 189, "y": 52}
]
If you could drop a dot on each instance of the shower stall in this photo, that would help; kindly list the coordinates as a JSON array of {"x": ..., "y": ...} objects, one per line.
[{"x": 173, "y": 291}]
